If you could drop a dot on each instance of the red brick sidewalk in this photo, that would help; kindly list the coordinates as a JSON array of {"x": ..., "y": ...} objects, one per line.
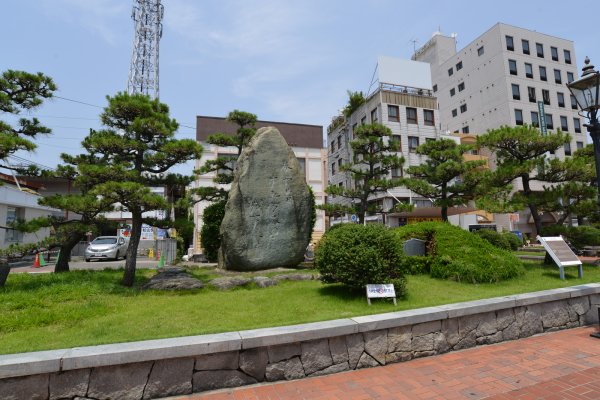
[{"x": 562, "y": 365}]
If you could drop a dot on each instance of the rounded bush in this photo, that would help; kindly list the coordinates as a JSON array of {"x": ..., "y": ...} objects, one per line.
[
  {"x": 496, "y": 239},
  {"x": 513, "y": 240},
  {"x": 357, "y": 255}
]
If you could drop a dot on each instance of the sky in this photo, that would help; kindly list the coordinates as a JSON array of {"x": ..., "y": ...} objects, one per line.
[{"x": 288, "y": 61}]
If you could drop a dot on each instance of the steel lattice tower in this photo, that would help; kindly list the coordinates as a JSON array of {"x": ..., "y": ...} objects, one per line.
[{"x": 143, "y": 71}]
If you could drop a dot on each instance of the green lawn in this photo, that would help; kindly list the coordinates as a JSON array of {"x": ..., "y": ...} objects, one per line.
[{"x": 51, "y": 311}]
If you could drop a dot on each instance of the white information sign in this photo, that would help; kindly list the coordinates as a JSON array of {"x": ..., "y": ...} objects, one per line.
[
  {"x": 561, "y": 253},
  {"x": 380, "y": 291}
]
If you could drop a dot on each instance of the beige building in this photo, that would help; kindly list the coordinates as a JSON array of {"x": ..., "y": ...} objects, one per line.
[
  {"x": 507, "y": 76},
  {"x": 305, "y": 140}
]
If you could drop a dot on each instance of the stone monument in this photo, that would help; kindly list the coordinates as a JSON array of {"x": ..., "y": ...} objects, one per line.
[{"x": 267, "y": 221}]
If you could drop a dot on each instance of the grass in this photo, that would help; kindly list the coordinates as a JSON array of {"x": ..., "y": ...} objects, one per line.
[{"x": 79, "y": 308}]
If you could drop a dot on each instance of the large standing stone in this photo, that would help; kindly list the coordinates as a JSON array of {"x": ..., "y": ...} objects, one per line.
[{"x": 267, "y": 221}]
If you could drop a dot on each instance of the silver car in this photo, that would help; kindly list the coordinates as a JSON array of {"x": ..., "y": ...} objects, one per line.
[{"x": 107, "y": 248}]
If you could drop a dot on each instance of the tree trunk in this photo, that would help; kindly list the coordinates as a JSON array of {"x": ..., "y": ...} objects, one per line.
[
  {"x": 563, "y": 218},
  {"x": 134, "y": 241},
  {"x": 62, "y": 262},
  {"x": 4, "y": 271},
  {"x": 537, "y": 220},
  {"x": 444, "y": 207}
]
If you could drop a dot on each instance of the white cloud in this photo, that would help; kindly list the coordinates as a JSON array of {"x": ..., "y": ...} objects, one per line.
[{"x": 97, "y": 16}]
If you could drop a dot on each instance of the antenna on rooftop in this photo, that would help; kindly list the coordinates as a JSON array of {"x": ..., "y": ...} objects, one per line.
[
  {"x": 143, "y": 70},
  {"x": 414, "y": 41}
]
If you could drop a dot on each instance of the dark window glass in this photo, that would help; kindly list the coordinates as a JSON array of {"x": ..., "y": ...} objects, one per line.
[
  {"x": 435, "y": 88},
  {"x": 516, "y": 92},
  {"x": 554, "y": 53},
  {"x": 363, "y": 120},
  {"x": 450, "y": 71},
  {"x": 563, "y": 123},
  {"x": 465, "y": 129},
  {"x": 393, "y": 113},
  {"x": 577, "y": 125},
  {"x": 579, "y": 145},
  {"x": 428, "y": 117},
  {"x": 411, "y": 115},
  {"x": 398, "y": 139},
  {"x": 540, "y": 50},
  {"x": 567, "y": 149},
  {"x": 480, "y": 51},
  {"x": 561, "y": 99},
  {"x": 546, "y": 96},
  {"x": 567, "y": 54},
  {"x": 573, "y": 103},
  {"x": 557, "y": 77},
  {"x": 531, "y": 94},
  {"x": 528, "y": 70},
  {"x": 454, "y": 112},
  {"x": 543, "y": 73},
  {"x": 374, "y": 116},
  {"x": 463, "y": 108},
  {"x": 332, "y": 168},
  {"x": 570, "y": 77},
  {"x": 339, "y": 140},
  {"x": 518, "y": 117},
  {"x": 512, "y": 67},
  {"x": 535, "y": 119},
  {"x": 525, "y": 44},
  {"x": 413, "y": 143},
  {"x": 509, "y": 43},
  {"x": 459, "y": 66},
  {"x": 461, "y": 86},
  {"x": 549, "y": 122},
  {"x": 452, "y": 92}
]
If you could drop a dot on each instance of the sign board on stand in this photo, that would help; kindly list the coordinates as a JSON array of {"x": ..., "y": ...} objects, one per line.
[
  {"x": 381, "y": 291},
  {"x": 561, "y": 253}
]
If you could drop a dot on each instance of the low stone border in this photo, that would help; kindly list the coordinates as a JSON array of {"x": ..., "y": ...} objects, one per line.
[{"x": 167, "y": 367}]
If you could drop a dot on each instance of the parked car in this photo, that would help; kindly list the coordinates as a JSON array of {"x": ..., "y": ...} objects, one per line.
[{"x": 107, "y": 248}]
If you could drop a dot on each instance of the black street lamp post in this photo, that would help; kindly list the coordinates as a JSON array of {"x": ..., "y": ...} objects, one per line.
[{"x": 586, "y": 90}]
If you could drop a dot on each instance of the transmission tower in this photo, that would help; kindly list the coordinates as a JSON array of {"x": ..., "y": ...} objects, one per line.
[{"x": 143, "y": 71}]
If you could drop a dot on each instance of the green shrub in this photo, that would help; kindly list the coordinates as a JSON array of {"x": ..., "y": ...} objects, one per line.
[
  {"x": 357, "y": 255},
  {"x": 578, "y": 236},
  {"x": 415, "y": 265},
  {"x": 513, "y": 240},
  {"x": 496, "y": 239},
  {"x": 209, "y": 235},
  {"x": 461, "y": 255}
]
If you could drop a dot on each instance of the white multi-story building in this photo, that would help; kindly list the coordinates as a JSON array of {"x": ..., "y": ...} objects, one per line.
[
  {"x": 507, "y": 76},
  {"x": 305, "y": 140},
  {"x": 401, "y": 99}
]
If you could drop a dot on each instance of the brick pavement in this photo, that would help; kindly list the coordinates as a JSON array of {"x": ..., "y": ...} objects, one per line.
[{"x": 561, "y": 365}]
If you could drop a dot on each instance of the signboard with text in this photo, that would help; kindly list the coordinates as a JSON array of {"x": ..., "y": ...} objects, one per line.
[{"x": 379, "y": 291}]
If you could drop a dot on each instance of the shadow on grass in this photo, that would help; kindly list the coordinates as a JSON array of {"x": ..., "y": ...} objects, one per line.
[{"x": 341, "y": 292}]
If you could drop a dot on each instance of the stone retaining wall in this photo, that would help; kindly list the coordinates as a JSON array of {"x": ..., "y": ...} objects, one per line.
[{"x": 159, "y": 368}]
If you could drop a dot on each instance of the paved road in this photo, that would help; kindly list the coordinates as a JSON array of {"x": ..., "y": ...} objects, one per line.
[
  {"x": 561, "y": 365},
  {"x": 75, "y": 265}
]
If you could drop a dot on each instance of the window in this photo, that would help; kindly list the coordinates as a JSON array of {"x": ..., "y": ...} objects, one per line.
[
  {"x": 540, "y": 50},
  {"x": 563, "y": 123},
  {"x": 549, "y": 121},
  {"x": 528, "y": 70},
  {"x": 516, "y": 93},
  {"x": 411, "y": 115},
  {"x": 302, "y": 162},
  {"x": 509, "y": 43},
  {"x": 332, "y": 146},
  {"x": 546, "y": 96},
  {"x": 570, "y": 77},
  {"x": 332, "y": 169},
  {"x": 363, "y": 120},
  {"x": 454, "y": 112},
  {"x": 450, "y": 71},
  {"x": 354, "y": 127},
  {"x": 561, "y": 99},
  {"x": 543, "y": 73},
  {"x": 452, "y": 92},
  {"x": 397, "y": 172},
  {"x": 459, "y": 66},
  {"x": 434, "y": 88},
  {"x": 567, "y": 149},
  {"x": 554, "y": 53},
  {"x": 341, "y": 184},
  {"x": 518, "y": 117},
  {"x": 480, "y": 51},
  {"x": 413, "y": 143},
  {"x": 531, "y": 94},
  {"x": 573, "y": 103},
  {"x": 525, "y": 45},
  {"x": 535, "y": 119},
  {"x": 12, "y": 235},
  {"x": 393, "y": 113},
  {"x": 567, "y": 54},
  {"x": 557, "y": 77},
  {"x": 579, "y": 145},
  {"x": 339, "y": 142},
  {"x": 461, "y": 86},
  {"x": 463, "y": 108},
  {"x": 340, "y": 161},
  {"x": 398, "y": 139},
  {"x": 374, "y": 115},
  {"x": 512, "y": 67},
  {"x": 577, "y": 125},
  {"x": 428, "y": 117},
  {"x": 465, "y": 129}
]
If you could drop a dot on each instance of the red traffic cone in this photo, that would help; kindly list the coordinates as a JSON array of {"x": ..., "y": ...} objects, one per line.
[
  {"x": 36, "y": 262},
  {"x": 158, "y": 255}
]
